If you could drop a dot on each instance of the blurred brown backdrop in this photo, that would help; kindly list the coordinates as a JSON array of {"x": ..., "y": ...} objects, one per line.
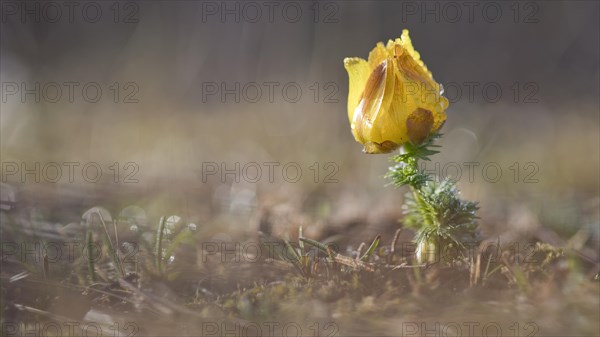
[{"x": 166, "y": 55}]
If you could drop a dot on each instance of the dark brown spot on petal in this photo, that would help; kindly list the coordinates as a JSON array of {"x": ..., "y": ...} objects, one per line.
[{"x": 419, "y": 125}]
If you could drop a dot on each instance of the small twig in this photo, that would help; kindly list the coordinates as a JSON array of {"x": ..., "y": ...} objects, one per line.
[
  {"x": 395, "y": 241},
  {"x": 112, "y": 253},
  {"x": 339, "y": 258},
  {"x": 158, "y": 246},
  {"x": 359, "y": 250},
  {"x": 90, "y": 259},
  {"x": 105, "y": 229},
  {"x": 353, "y": 263},
  {"x": 300, "y": 236},
  {"x": 407, "y": 266},
  {"x": 42, "y": 312},
  {"x": 46, "y": 267},
  {"x": 487, "y": 266},
  {"x": 116, "y": 237},
  {"x": 478, "y": 268}
]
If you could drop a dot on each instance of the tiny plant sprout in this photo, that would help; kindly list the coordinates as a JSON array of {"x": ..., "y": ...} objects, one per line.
[{"x": 394, "y": 103}]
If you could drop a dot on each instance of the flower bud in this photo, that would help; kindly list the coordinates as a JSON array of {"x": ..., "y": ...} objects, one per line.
[{"x": 393, "y": 98}]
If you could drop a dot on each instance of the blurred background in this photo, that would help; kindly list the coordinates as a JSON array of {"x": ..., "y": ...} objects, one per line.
[{"x": 165, "y": 98}]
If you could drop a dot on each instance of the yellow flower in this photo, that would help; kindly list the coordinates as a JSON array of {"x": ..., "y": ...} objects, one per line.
[{"x": 392, "y": 97}]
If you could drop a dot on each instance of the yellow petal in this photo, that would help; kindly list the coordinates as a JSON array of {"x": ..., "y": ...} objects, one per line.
[
  {"x": 378, "y": 55},
  {"x": 370, "y": 114},
  {"x": 408, "y": 46},
  {"x": 358, "y": 74},
  {"x": 403, "y": 103}
]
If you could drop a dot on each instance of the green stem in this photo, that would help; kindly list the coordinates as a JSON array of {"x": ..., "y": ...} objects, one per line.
[
  {"x": 436, "y": 211},
  {"x": 424, "y": 243}
]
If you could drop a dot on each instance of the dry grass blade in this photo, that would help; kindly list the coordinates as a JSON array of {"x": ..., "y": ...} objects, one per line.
[
  {"x": 372, "y": 248},
  {"x": 353, "y": 263}
]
